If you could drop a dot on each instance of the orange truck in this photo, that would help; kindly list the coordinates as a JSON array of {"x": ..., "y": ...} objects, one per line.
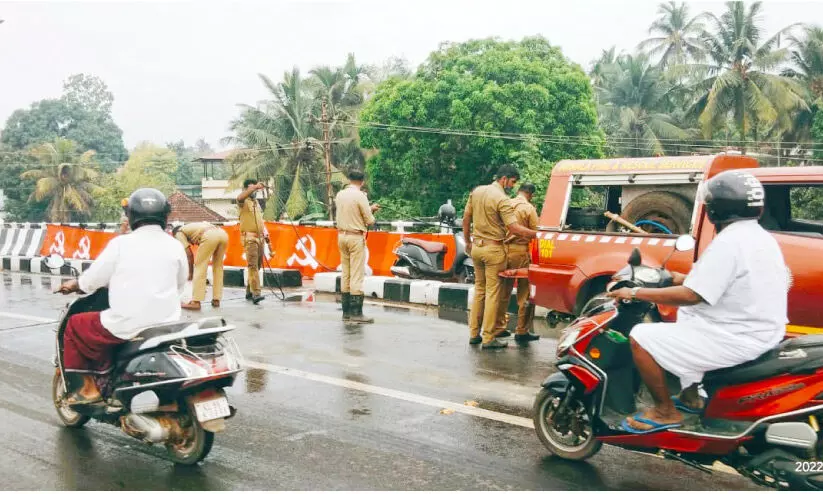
[{"x": 597, "y": 211}]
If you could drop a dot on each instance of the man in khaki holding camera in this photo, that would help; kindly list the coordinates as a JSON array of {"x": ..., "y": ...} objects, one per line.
[{"x": 354, "y": 216}]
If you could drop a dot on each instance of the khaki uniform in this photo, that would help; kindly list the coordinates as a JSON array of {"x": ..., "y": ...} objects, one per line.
[
  {"x": 211, "y": 243},
  {"x": 517, "y": 256},
  {"x": 252, "y": 233},
  {"x": 354, "y": 216},
  {"x": 492, "y": 212}
]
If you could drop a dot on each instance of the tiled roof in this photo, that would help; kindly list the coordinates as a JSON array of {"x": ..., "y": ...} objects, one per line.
[{"x": 186, "y": 210}]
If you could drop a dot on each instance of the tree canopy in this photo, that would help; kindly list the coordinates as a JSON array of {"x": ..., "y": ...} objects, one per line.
[{"x": 470, "y": 108}]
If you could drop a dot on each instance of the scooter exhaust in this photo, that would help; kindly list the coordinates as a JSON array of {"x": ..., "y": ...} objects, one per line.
[{"x": 150, "y": 429}]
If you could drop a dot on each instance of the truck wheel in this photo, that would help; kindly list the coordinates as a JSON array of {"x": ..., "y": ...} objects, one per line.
[{"x": 666, "y": 208}]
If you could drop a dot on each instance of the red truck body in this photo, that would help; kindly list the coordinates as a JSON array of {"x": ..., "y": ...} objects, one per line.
[{"x": 575, "y": 253}]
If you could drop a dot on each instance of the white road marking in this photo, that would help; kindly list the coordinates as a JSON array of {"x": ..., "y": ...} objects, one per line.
[
  {"x": 26, "y": 317},
  {"x": 393, "y": 393}
]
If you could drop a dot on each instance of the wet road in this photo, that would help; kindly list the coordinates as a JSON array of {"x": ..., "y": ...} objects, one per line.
[{"x": 322, "y": 406}]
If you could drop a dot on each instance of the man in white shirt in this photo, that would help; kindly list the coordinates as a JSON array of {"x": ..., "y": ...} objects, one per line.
[
  {"x": 145, "y": 272},
  {"x": 734, "y": 304}
]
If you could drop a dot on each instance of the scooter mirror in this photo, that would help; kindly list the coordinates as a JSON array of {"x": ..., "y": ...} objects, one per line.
[
  {"x": 54, "y": 261},
  {"x": 684, "y": 243}
]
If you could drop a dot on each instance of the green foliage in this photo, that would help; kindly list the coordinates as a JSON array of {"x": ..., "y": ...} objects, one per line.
[
  {"x": 16, "y": 190},
  {"x": 82, "y": 115},
  {"x": 148, "y": 166},
  {"x": 678, "y": 35},
  {"x": 64, "y": 181},
  {"x": 486, "y": 86}
]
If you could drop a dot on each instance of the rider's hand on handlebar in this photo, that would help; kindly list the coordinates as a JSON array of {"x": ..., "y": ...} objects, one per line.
[
  {"x": 69, "y": 287},
  {"x": 622, "y": 294}
]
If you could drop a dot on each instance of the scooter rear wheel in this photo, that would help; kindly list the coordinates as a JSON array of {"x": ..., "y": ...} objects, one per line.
[
  {"x": 195, "y": 447},
  {"x": 69, "y": 417},
  {"x": 570, "y": 441}
]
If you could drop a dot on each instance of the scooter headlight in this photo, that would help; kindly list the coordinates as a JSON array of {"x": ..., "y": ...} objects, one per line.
[{"x": 568, "y": 339}]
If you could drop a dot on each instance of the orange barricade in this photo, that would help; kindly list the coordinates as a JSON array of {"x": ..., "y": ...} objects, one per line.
[{"x": 308, "y": 249}]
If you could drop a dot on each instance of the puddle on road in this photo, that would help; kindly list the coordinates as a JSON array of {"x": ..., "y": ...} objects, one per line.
[{"x": 256, "y": 380}]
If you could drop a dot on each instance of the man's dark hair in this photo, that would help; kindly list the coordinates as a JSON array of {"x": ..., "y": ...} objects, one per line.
[
  {"x": 356, "y": 175},
  {"x": 249, "y": 181},
  {"x": 508, "y": 170},
  {"x": 527, "y": 187}
]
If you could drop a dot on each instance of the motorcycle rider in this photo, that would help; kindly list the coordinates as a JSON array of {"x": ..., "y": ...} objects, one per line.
[
  {"x": 145, "y": 272},
  {"x": 733, "y": 304}
]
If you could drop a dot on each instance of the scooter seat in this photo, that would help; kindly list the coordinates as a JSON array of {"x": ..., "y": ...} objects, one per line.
[
  {"x": 132, "y": 347},
  {"x": 430, "y": 247},
  {"x": 796, "y": 355}
]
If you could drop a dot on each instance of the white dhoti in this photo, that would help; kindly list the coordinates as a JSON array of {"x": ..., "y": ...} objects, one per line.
[{"x": 689, "y": 350}]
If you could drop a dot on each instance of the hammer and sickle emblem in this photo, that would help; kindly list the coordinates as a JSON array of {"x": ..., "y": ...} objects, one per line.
[
  {"x": 59, "y": 244},
  {"x": 307, "y": 255},
  {"x": 84, "y": 248}
]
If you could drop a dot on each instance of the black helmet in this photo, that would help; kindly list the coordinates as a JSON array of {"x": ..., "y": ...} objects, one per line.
[
  {"x": 731, "y": 196},
  {"x": 446, "y": 213},
  {"x": 148, "y": 207}
]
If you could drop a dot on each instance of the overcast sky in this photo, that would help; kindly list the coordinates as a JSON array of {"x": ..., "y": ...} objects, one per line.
[{"x": 178, "y": 69}]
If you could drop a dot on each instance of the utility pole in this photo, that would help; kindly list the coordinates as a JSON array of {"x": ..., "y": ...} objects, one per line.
[{"x": 324, "y": 119}]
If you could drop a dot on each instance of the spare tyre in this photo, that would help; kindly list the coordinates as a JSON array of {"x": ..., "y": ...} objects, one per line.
[{"x": 667, "y": 208}]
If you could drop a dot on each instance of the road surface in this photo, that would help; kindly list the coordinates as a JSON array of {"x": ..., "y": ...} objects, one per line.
[{"x": 403, "y": 404}]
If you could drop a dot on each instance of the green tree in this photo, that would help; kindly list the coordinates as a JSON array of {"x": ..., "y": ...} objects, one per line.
[
  {"x": 66, "y": 181},
  {"x": 633, "y": 108},
  {"x": 807, "y": 60},
  {"x": 16, "y": 190},
  {"x": 740, "y": 81},
  {"x": 82, "y": 114},
  {"x": 677, "y": 39},
  {"x": 441, "y": 133},
  {"x": 149, "y": 165}
]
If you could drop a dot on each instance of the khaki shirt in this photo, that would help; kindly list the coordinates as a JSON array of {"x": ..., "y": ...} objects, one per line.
[
  {"x": 251, "y": 217},
  {"x": 192, "y": 233},
  {"x": 526, "y": 215},
  {"x": 353, "y": 210},
  {"x": 491, "y": 211}
]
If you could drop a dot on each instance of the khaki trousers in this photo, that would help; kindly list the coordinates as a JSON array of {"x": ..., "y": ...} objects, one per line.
[
  {"x": 212, "y": 248},
  {"x": 353, "y": 259},
  {"x": 254, "y": 260},
  {"x": 517, "y": 256},
  {"x": 489, "y": 260}
]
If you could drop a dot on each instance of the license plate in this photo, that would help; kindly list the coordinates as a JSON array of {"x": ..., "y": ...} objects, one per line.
[{"x": 212, "y": 409}]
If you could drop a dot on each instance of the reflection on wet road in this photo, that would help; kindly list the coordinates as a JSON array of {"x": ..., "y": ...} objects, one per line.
[{"x": 404, "y": 404}]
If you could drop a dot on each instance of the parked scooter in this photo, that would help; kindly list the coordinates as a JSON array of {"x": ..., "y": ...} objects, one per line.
[
  {"x": 420, "y": 259},
  {"x": 761, "y": 417},
  {"x": 166, "y": 386}
]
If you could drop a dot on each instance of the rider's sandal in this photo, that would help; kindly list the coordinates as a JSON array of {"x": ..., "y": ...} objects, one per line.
[
  {"x": 78, "y": 399},
  {"x": 655, "y": 426}
]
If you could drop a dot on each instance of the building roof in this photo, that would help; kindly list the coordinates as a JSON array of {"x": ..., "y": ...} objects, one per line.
[
  {"x": 186, "y": 210},
  {"x": 221, "y": 156}
]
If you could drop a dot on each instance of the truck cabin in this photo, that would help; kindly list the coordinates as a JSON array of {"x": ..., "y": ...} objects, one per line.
[{"x": 656, "y": 195}]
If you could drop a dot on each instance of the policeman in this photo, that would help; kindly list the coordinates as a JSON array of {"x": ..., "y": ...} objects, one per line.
[
  {"x": 252, "y": 234},
  {"x": 124, "y": 219},
  {"x": 211, "y": 242},
  {"x": 489, "y": 217},
  {"x": 354, "y": 215},
  {"x": 517, "y": 256}
]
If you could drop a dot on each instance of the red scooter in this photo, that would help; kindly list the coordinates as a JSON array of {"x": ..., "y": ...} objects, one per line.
[{"x": 761, "y": 417}]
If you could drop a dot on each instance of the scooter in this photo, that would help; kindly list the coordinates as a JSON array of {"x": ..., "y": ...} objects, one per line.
[
  {"x": 420, "y": 259},
  {"x": 761, "y": 417},
  {"x": 166, "y": 386}
]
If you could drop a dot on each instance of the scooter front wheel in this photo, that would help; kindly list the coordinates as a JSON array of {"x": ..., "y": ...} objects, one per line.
[
  {"x": 567, "y": 433},
  {"x": 68, "y": 416}
]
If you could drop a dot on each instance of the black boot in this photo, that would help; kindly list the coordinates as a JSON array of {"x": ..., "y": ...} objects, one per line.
[
  {"x": 357, "y": 310},
  {"x": 347, "y": 306}
]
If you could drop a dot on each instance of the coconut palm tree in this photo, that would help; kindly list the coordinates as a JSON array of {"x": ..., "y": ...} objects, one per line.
[
  {"x": 632, "y": 107},
  {"x": 677, "y": 37},
  {"x": 66, "y": 181},
  {"x": 807, "y": 60},
  {"x": 740, "y": 82}
]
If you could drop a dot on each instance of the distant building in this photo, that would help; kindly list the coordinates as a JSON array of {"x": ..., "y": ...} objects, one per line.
[
  {"x": 184, "y": 209},
  {"x": 215, "y": 192}
]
